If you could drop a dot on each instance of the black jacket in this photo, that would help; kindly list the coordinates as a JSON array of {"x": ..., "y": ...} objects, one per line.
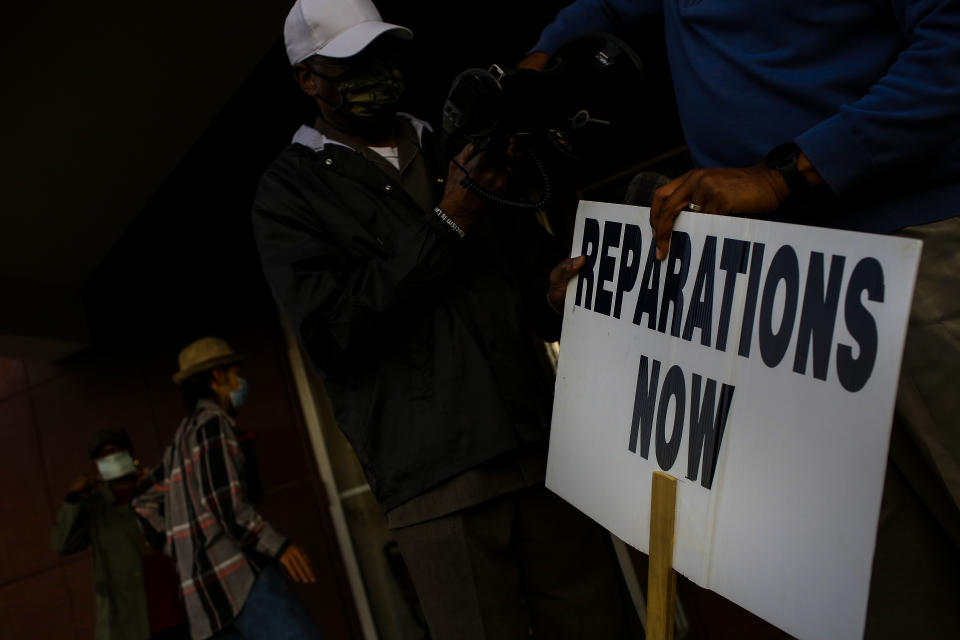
[{"x": 425, "y": 340}]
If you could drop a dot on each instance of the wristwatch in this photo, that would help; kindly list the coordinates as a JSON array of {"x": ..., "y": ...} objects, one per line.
[{"x": 783, "y": 158}]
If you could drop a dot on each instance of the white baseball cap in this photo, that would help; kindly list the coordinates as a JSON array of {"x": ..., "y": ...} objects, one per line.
[{"x": 334, "y": 28}]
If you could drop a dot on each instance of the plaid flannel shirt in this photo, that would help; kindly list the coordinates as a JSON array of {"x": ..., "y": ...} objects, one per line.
[{"x": 196, "y": 496}]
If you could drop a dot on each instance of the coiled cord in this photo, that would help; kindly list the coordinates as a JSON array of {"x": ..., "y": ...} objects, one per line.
[{"x": 546, "y": 188}]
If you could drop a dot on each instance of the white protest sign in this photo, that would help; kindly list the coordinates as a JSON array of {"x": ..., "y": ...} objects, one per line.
[{"x": 758, "y": 365}]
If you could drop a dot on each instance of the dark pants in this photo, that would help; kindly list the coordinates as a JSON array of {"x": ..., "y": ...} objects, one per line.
[
  {"x": 271, "y": 612},
  {"x": 180, "y": 632},
  {"x": 520, "y": 562},
  {"x": 915, "y": 591}
]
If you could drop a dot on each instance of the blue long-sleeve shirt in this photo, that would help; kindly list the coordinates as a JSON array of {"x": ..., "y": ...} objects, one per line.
[{"x": 869, "y": 90}]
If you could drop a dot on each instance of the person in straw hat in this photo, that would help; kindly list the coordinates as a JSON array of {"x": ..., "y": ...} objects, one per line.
[
  {"x": 225, "y": 553},
  {"x": 418, "y": 305}
]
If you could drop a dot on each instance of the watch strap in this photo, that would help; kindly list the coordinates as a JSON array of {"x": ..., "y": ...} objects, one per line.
[{"x": 784, "y": 159}]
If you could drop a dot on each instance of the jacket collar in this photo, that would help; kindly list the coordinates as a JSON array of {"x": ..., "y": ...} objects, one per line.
[
  {"x": 313, "y": 139},
  {"x": 206, "y": 405}
]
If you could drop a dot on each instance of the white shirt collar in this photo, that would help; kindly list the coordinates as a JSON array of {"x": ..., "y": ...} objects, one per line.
[{"x": 310, "y": 137}]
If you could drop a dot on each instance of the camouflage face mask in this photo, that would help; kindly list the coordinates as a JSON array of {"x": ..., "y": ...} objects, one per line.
[{"x": 369, "y": 96}]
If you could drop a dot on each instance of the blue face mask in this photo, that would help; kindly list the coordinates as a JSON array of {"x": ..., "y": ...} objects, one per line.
[{"x": 239, "y": 396}]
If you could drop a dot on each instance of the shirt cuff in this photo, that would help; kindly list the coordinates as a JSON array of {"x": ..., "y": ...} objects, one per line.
[
  {"x": 283, "y": 549},
  {"x": 449, "y": 222},
  {"x": 270, "y": 542},
  {"x": 836, "y": 152}
]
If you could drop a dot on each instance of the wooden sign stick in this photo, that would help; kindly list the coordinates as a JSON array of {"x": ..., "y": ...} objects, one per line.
[{"x": 661, "y": 578}]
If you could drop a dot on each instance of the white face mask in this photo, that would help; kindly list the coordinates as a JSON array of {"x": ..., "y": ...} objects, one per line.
[{"x": 115, "y": 465}]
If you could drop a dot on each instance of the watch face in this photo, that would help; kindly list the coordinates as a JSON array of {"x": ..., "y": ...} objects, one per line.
[{"x": 782, "y": 155}]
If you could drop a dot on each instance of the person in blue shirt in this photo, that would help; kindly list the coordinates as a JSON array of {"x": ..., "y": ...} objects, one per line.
[
  {"x": 841, "y": 114},
  {"x": 868, "y": 91}
]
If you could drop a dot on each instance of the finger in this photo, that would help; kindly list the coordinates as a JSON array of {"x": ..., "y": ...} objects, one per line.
[
  {"x": 307, "y": 571},
  {"x": 457, "y": 165},
  {"x": 701, "y": 196},
  {"x": 717, "y": 203},
  {"x": 513, "y": 150},
  {"x": 491, "y": 179},
  {"x": 669, "y": 209},
  {"x": 464, "y": 156},
  {"x": 290, "y": 564},
  {"x": 294, "y": 556},
  {"x": 536, "y": 61},
  {"x": 663, "y": 192},
  {"x": 570, "y": 267},
  {"x": 305, "y": 568},
  {"x": 681, "y": 193},
  {"x": 559, "y": 277},
  {"x": 293, "y": 565},
  {"x": 664, "y": 227},
  {"x": 485, "y": 161},
  {"x": 706, "y": 195},
  {"x": 577, "y": 264},
  {"x": 499, "y": 181},
  {"x": 562, "y": 273},
  {"x": 298, "y": 573},
  {"x": 661, "y": 195},
  {"x": 285, "y": 563}
]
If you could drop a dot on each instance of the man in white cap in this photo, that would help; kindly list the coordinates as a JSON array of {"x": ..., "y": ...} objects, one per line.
[
  {"x": 223, "y": 550},
  {"x": 420, "y": 308}
]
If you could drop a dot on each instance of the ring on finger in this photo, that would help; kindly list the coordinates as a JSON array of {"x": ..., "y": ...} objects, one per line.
[{"x": 696, "y": 208}]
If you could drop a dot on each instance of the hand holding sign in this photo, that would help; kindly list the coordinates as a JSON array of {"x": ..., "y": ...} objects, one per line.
[
  {"x": 559, "y": 277},
  {"x": 748, "y": 191}
]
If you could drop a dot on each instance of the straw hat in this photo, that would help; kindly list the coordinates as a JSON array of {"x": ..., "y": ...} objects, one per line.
[{"x": 205, "y": 354}]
